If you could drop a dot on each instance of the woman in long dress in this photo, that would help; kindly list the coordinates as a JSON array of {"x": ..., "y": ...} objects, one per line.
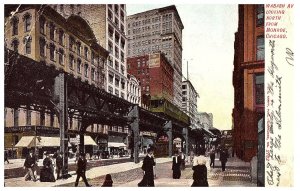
[{"x": 200, "y": 170}]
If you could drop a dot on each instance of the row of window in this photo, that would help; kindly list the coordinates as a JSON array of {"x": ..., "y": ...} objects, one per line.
[
  {"x": 115, "y": 20},
  {"x": 116, "y": 51},
  {"x": 72, "y": 61},
  {"x": 74, "y": 46},
  {"x": 15, "y": 24},
  {"x": 110, "y": 90},
  {"x": 117, "y": 81},
  {"x": 114, "y": 35},
  {"x": 51, "y": 117},
  {"x": 116, "y": 66}
]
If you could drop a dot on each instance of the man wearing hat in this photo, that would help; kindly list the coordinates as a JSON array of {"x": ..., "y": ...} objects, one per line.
[
  {"x": 29, "y": 165},
  {"x": 81, "y": 168},
  {"x": 59, "y": 165}
]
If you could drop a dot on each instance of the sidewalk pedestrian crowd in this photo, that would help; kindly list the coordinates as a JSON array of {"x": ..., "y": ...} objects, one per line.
[{"x": 198, "y": 161}]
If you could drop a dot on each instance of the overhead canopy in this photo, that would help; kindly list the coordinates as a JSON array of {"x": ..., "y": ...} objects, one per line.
[
  {"x": 89, "y": 141},
  {"x": 40, "y": 141},
  {"x": 208, "y": 132},
  {"x": 115, "y": 144},
  {"x": 25, "y": 141}
]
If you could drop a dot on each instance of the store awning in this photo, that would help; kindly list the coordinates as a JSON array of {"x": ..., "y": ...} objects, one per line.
[
  {"x": 25, "y": 141},
  {"x": 89, "y": 141},
  {"x": 115, "y": 144},
  {"x": 28, "y": 141}
]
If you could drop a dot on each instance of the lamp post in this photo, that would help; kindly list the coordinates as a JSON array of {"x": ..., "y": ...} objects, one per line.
[{"x": 12, "y": 150}]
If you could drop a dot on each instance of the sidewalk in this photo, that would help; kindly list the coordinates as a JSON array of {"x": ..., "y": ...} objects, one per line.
[
  {"x": 92, "y": 173},
  {"x": 17, "y": 163}
]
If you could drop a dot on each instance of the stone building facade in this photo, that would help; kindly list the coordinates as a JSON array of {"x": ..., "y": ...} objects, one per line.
[
  {"x": 108, "y": 22},
  {"x": 40, "y": 33},
  {"x": 134, "y": 90},
  {"x": 189, "y": 102}
]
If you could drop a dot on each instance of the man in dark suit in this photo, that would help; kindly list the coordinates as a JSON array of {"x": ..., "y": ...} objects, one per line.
[
  {"x": 29, "y": 165},
  {"x": 59, "y": 164},
  {"x": 148, "y": 164},
  {"x": 182, "y": 158},
  {"x": 176, "y": 166},
  {"x": 81, "y": 168},
  {"x": 223, "y": 158}
]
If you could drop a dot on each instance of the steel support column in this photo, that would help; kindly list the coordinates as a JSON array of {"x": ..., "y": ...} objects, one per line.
[
  {"x": 134, "y": 115},
  {"x": 185, "y": 133},
  {"x": 168, "y": 129},
  {"x": 61, "y": 96}
]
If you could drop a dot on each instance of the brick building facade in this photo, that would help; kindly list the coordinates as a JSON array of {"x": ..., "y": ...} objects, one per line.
[
  {"x": 248, "y": 80},
  {"x": 155, "y": 75}
]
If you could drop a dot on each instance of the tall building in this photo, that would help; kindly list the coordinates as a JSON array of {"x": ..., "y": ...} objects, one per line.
[
  {"x": 155, "y": 75},
  {"x": 41, "y": 34},
  {"x": 158, "y": 30},
  {"x": 189, "y": 102},
  {"x": 108, "y": 22},
  {"x": 248, "y": 80}
]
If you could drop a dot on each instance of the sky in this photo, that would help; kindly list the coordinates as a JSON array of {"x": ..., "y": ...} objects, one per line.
[{"x": 208, "y": 47}]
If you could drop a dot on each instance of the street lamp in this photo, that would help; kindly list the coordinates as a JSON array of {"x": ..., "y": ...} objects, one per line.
[{"x": 12, "y": 150}]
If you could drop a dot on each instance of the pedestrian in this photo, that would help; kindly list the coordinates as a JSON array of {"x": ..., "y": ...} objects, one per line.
[
  {"x": 148, "y": 163},
  {"x": 200, "y": 170},
  {"x": 223, "y": 158},
  {"x": 29, "y": 165},
  {"x": 59, "y": 165},
  {"x": 6, "y": 157},
  {"x": 98, "y": 154},
  {"x": 47, "y": 172},
  {"x": 108, "y": 182},
  {"x": 212, "y": 156},
  {"x": 182, "y": 160},
  {"x": 81, "y": 169},
  {"x": 176, "y": 166}
]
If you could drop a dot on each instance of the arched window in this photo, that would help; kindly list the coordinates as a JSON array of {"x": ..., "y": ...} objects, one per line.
[
  {"x": 14, "y": 24},
  {"x": 15, "y": 45},
  {"x": 27, "y": 41},
  {"x": 27, "y": 22}
]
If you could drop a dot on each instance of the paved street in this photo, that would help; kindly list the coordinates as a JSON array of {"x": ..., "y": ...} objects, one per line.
[{"x": 128, "y": 174}]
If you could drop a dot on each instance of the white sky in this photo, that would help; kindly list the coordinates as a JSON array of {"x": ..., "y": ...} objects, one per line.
[{"x": 208, "y": 45}]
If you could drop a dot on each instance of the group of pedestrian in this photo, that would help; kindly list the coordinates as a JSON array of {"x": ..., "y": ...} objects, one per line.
[{"x": 47, "y": 171}]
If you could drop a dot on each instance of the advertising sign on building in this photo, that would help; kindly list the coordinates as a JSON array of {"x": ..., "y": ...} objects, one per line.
[{"x": 154, "y": 60}]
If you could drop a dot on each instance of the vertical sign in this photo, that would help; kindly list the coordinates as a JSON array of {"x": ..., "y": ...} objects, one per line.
[{"x": 279, "y": 71}]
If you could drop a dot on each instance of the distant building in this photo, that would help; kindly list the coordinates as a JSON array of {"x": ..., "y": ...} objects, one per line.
[
  {"x": 189, "y": 102},
  {"x": 248, "y": 80},
  {"x": 205, "y": 119},
  {"x": 134, "y": 90},
  {"x": 158, "y": 30},
  {"x": 155, "y": 75}
]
